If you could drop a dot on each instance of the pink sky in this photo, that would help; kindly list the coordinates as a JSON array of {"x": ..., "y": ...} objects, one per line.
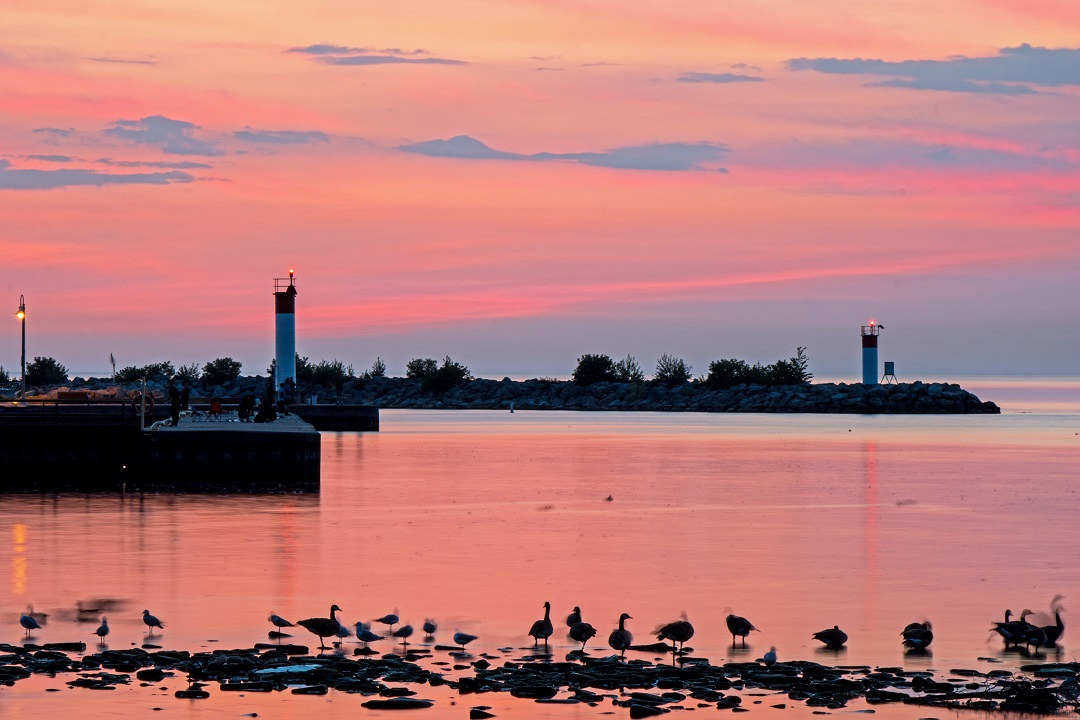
[{"x": 518, "y": 183}]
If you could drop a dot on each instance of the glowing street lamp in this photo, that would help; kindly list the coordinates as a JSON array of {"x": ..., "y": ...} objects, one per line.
[{"x": 22, "y": 317}]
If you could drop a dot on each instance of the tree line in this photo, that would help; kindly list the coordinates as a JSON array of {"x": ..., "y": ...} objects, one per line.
[{"x": 440, "y": 377}]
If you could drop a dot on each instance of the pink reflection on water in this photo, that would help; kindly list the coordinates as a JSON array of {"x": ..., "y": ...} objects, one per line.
[{"x": 798, "y": 523}]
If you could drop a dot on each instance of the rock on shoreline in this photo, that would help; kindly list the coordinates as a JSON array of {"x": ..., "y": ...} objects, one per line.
[{"x": 916, "y": 398}]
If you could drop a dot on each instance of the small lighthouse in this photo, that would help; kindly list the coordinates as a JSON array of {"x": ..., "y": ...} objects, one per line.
[
  {"x": 285, "y": 329},
  {"x": 869, "y": 335}
]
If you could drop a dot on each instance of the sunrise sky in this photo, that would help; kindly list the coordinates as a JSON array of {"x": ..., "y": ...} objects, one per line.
[{"x": 517, "y": 182}]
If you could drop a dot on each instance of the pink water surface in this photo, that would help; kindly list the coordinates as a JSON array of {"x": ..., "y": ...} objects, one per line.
[{"x": 477, "y": 518}]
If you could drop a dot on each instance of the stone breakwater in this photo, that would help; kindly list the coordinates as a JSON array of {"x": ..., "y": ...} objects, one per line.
[
  {"x": 483, "y": 394},
  {"x": 908, "y": 398},
  {"x": 637, "y": 688}
]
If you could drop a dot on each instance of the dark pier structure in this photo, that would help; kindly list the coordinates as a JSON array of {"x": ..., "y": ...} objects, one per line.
[{"x": 100, "y": 447}]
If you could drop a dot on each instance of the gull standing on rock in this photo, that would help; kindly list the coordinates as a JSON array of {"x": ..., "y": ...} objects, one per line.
[
  {"x": 620, "y": 638},
  {"x": 542, "y": 629},
  {"x": 430, "y": 626},
  {"x": 364, "y": 634},
  {"x": 770, "y": 657}
]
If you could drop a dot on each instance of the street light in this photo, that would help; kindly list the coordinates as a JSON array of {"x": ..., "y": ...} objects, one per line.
[{"x": 22, "y": 316}]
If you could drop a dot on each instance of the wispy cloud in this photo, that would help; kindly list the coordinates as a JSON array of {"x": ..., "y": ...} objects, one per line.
[
  {"x": 55, "y": 132},
  {"x": 15, "y": 179},
  {"x": 178, "y": 165},
  {"x": 1011, "y": 72},
  {"x": 329, "y": 54},
  {"x": 384, "y": 60},
  {"x": 653, "y": 156},
  {"x": 121, "y": 61},
  {"x": 281, "y": 137},
  {"x": 174, "y": 137},
  {"x": 718, "y": 78},
  {"x": 51, "y": 158},
  {"x": 328, "y": 49}
]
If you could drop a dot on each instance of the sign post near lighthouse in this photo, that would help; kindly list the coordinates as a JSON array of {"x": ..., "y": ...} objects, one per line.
[
  {"x": 869, "y": 335},
  {"x": 285, "y": 329}
]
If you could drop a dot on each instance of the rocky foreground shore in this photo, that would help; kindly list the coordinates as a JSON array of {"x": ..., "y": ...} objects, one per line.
[
  {"x": 482, "y": 394},
  {"x": 636, "y": 688}
]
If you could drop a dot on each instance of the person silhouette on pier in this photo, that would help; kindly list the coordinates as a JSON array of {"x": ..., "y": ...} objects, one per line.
[
  {"x": 185, "y": 395},
  {"x": 174, "y": 402}
]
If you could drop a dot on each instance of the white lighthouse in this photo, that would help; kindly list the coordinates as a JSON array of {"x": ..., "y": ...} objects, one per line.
[
  {"x": 285, "y": 329},
  {"x": 869, "y": 335}
]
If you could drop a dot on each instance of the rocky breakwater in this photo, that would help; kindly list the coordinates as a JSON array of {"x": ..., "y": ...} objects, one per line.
[{"x": 480, "y": 394}]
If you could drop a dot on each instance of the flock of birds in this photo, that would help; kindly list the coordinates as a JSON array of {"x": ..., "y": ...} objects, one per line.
[{"x": 917, "y": 636}]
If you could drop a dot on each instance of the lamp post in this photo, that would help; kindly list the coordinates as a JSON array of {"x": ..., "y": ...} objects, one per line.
[{"x": 22, "y": 316}]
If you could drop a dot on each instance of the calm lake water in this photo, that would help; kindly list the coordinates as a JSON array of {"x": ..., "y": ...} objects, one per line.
[{"x": 797, "y": 522}]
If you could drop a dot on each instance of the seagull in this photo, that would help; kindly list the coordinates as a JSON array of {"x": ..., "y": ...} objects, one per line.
[
  {"x": 739, "y": 626},
  {"x": 151, "y": 622},
  {"x": 102, "y": 630},
  {"x": 342, "y": 633},
  {"x": 364, "y": 634},
  {"x": 39, "y": 617},
  {"x": 542, "y": 629},
  {"x": 834, "y": 638},
  {"x": 918, "y": 636},
  {"x": 463, "y": 639},
  {"x": 582, "y": 632},
  {"x": 404, "y": 632},
  {"x": 29, "y": 623},
  {"x": 678, "y": 632},
  {"x": 279, "y": 622},
  {"x": 391, "y": 620},
  {"x": 620, "y": 639},
  {"x": 430, "y": 626},
  {"x": 573, "y": 618},
  {"x": 770, "y": 657},
  {"x": 322, "y": 627}
]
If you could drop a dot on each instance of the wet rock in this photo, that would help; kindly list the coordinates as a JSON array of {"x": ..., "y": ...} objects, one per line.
[
  {"x": 478, "y": 714},
  {"x": 398, "y": 704}
]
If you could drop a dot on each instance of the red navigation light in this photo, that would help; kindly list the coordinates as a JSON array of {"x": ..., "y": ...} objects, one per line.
[
  {"x": 872, "y": 323},
  {"x": 290, "y": 272}
]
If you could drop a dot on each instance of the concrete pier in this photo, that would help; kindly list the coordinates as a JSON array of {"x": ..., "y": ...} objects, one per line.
[
  {"x": 100, "y": 448},
  {"x": 231, "y": 456}
]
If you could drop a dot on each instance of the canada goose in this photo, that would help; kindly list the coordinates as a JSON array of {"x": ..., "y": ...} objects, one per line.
[
  {"x": 573, "y": 618},
  {"x": 621, "y": 638},
  {"x": 322, "y": 627},
  {"x": 542, "y": 629},
  {"x": 1055, "y": 631},
  {"x": 739, "y": 626},
  {"x": 834, "y": 638},
  {"x": 582, "y": 632},
  {"x": 678, "y": 632},
  {"x": 1013, "y": 631},
  {"x": 918, "y": 636},
  {"x": 151, "y": 622}
]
